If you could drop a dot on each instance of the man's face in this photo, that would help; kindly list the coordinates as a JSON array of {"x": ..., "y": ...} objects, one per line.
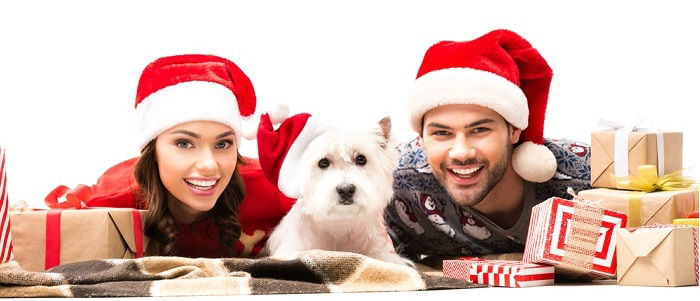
[{"x": 469, "y": 149}]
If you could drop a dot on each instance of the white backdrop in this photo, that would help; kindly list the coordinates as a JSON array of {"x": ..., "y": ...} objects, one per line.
[{"x": 69, "y": 70}]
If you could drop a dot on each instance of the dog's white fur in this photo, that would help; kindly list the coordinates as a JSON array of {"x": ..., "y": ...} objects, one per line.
[{"x": 319, "y": 221}]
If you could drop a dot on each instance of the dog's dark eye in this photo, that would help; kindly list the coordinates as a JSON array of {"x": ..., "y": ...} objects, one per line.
[
  {"x": 361, "y": 160},
  {"x": 323, "y": 163}
]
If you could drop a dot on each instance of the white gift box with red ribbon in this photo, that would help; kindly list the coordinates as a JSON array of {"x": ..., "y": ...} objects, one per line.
[
  {"x": 499, "y": 272},
  {"x": 577, "y": 237}
]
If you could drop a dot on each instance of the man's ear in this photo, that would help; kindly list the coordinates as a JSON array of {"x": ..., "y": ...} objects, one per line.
[{"x": 515, "y": 134}]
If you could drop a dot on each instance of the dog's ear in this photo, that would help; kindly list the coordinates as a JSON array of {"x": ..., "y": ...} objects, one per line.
[{"x": 385, "y": 130}]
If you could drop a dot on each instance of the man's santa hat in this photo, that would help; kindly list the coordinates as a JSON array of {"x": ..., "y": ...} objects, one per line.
[
  {"x": 500, "y": 71},
  {"x": 183, "y": 88},
  {"x": 281, "y": 151}
]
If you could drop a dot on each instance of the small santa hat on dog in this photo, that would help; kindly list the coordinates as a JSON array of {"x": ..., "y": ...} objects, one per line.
[
  {"x": 500, "y": 71},
  {"x": 182, "y": 88},
  {"x": 281, "y": 151}
]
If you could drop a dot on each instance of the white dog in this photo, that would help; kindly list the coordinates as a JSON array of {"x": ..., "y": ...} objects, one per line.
[{"x": 348, "y": 186}]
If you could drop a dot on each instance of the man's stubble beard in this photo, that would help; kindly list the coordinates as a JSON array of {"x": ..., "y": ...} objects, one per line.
[{"x": 493, "y": 177}]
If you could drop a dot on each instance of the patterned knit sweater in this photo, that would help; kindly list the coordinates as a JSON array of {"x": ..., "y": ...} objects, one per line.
[{"x": 423, "y": 220}]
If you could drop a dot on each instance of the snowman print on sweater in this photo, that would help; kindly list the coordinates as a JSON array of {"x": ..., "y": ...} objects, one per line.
[
  {"x": 407, "y": 216},
  {"x": 435, "y": 215}
]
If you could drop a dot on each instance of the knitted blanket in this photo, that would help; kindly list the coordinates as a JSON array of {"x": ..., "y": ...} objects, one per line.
[{"x": 312, "y": 272}]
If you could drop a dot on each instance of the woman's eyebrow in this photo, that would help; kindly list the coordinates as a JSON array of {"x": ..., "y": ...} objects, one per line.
[
  {"x": 225, "y": 134},
  {"x": 188, "y": 133}
]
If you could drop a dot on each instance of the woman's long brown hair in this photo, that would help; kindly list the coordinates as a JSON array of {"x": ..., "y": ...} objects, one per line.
[{"x": 160, "y": 224}]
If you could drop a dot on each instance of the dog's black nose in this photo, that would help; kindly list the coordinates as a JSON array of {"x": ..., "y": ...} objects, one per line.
[{"x": 346, "y": 191}]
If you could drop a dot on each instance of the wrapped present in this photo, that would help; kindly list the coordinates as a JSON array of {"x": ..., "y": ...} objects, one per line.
[
  {"x": 577, "y": 237},
  {"x": 618, "y": 153},
  {"x": 660, "y": 207},
  {"x": 659, "y": 255},
  {"x": 43, "y": 239},
  {"x": 499, "y": 272},
  {"x": 5, "y": 235}
]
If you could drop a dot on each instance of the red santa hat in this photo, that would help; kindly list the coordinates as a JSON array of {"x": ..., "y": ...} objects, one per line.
[
  {"x": 178, "y": 89},
  {"x": 500, "y": 71},
  {"x": 281, "y": 151}
]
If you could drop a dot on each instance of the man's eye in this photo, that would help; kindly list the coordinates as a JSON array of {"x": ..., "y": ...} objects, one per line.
[
  {"x": 480, "y": 130},
  {"x": 225, "y": 144},
  {"x": 441, "y": 133},
  {"x": 184, "y": 144}
]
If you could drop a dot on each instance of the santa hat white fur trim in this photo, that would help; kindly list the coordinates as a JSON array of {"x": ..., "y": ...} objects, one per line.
[
  {"x": 185, "y": 102},
  {"x": 534, "y": 162},
  {"x": 290, "y": 181},
  {"x": 467, "y": 86}
]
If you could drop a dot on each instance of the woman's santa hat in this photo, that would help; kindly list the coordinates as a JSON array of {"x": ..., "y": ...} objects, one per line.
[
  {"x": 178, "y": 89},
  {"x": 281, "y": 151},
  {"x": 500, "y": 71}
]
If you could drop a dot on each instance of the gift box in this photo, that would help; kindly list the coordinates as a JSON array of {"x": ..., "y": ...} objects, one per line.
[
  {"x": 577, "y": 237},
  {"x": 499, "y": 272},
  {"x": 43, "y": 239},
  {"x": 609, "y": 159},
  {"x": 663, "y": 255},
  {"x": 660, "y": 207}
]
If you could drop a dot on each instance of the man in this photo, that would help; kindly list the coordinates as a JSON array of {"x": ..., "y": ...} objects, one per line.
[{"x": 467, "y": 184}]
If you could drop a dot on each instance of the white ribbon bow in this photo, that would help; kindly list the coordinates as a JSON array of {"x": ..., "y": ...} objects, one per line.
[{"x": 622, "y": 131}]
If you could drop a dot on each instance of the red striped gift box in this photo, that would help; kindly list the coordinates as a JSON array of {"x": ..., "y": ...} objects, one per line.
[
  {"x": 577, "y": 237},
  {"x": 499, "y": 272},
  {"x": 5, "y": 237}
]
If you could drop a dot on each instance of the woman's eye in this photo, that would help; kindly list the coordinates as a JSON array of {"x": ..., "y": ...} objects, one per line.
[
  {"x": 184, "y": 144},
  {"x": 361, "y": 160},
  {"x": 324, "y": 163},
  {"x": 225, "y": 144}
]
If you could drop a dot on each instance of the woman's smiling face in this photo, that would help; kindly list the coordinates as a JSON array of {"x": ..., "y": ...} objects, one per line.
[{"x": 196, "y": 161}]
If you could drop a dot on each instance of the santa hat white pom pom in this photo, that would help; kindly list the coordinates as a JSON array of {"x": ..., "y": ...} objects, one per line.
[
  {"x": 534, "y": 162},
  {"x": 249, "y": 128},
  {"x": 279, "y": 113}
]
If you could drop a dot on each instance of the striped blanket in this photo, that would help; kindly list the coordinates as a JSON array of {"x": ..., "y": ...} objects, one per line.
[{"x": 312, "y": 272}]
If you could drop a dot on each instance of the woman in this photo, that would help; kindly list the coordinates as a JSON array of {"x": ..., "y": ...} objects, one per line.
[{"x": 203, "y": 198}]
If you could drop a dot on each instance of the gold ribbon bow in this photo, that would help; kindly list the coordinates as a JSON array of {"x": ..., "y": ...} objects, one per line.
[{"x": 647, "y": 180}]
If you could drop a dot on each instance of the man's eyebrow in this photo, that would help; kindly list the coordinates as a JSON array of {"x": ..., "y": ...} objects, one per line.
[
  {"x": 225, "y": 134},
  {"x": 438, "y": 125},
  {"x": 186, "y": 132},
  {"x": 479, "y": 122}
]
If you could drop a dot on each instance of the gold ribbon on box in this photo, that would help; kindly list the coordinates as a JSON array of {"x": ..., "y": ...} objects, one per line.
[{"x": 647, "y": 180}]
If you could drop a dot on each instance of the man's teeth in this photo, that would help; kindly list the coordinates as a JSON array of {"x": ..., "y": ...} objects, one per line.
[
  {"x": 201, "y": 184},
  {"x": 465, "y": 172}
]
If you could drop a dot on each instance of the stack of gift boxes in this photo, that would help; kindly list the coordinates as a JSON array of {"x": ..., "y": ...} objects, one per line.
[{"x": 638, "y": 224}]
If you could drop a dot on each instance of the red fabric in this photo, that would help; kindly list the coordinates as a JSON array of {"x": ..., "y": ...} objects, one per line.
[
  {"x": 508, "y": 55},
  {"x": 172, "y": 70},
  {"x": 261, "y": 210},
  {"x": 273, "y": 146}
]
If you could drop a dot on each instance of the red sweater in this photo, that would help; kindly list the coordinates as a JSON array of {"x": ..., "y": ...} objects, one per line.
[{"x": 261, "y": 210}]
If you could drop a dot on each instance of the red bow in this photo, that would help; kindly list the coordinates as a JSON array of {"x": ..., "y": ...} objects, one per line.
[{"x": 75, "y": 198}]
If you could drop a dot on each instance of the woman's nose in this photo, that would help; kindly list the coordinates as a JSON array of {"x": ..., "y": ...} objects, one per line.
[{"x": 206, "y": 163}]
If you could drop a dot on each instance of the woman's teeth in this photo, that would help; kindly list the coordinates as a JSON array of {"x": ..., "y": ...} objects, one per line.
[
  {"x": 201, "y": 185},
  {"x": 465, "y": 172}
]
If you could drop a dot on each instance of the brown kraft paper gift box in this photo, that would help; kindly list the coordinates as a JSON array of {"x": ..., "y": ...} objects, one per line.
[
  {"x": 660, "y": 207},
  {"x": 642, "y": 150},
  {"x": 657, "y": 256},
  {"x": 85, "y": 234}
]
